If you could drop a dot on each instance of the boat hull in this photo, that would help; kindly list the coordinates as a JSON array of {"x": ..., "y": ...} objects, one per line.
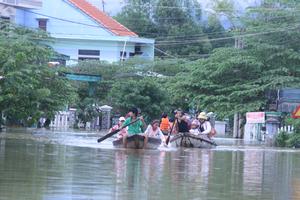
[
  {"x": 192, "y": 141},
  {"x": 137, "y": 142}
]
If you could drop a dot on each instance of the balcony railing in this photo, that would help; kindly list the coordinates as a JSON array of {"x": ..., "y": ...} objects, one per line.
[{"x": 24, "y": 3}]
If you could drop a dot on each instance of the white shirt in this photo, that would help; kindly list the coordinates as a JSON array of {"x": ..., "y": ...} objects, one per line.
[
  {"x": 151, "y": 133},
  {"x": 207, "y": 127}
]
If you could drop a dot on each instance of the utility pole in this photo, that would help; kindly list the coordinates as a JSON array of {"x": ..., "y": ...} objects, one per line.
[
  {"x": 103, "y": 5},
  {"x": 238, "y": 118}
]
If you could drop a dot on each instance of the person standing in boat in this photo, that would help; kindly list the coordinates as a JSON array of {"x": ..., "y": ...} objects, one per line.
[
  {"x": 181, "y": 121},
  {"x": 135, "y": 128},
  {"x": 154, "y": 131},
  {"x": 205, "y": 126},
  {"x": 164, "y": 124},
  {"x": 122, "y": 132}
]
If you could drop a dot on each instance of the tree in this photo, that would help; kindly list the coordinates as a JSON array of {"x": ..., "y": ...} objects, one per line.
[
  {"x": 30, "y": 89},
  {"x": 215, "y": 30},
  {"x": 146, "y": 94},
  {"x": 236, "y": 80},
  {"x": 179, "y": 28},
  {"x": 136, "y": 15},
  {"x": 86, "y": 110},
  {"x": 176, "y": 25}
]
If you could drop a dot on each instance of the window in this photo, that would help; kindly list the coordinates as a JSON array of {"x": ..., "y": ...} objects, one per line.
[
  {"x": 42, "y": 24},
  {"x": 4, "y": 22},
  {"x": 123, "y": 57},
  {"x": 137, "y": 50},
  {"x": 84, "y": 54}
]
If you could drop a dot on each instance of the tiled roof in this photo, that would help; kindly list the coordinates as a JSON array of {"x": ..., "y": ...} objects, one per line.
[{"x": 106, "y": 21}]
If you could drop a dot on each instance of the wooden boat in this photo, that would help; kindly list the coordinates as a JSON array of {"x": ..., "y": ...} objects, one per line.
[
  {"x": 192, "y": 141},
  {"x": 137, "y": 142}
]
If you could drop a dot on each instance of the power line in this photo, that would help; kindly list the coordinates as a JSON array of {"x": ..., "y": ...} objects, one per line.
[
  {"x": 220, "y": 10},
  {"x": 97, "y": 26},
  {"x": 226, "y": 38},
  {"x": 172, "y": 43},
  {"x": 165, "y": 53}
]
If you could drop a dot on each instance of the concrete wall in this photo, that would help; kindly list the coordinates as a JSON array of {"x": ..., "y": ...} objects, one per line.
[
  {"x": 220, "y": 128},
  {"x": 61, "y": 9},
  {"x": 108, "y": 50},
  {"x": 64, "y": 119}
]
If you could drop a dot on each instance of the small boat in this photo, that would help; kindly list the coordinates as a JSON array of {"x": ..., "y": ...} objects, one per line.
[
  {"x": 137, "y": 142},
  {"x": 192, "y": 141}
]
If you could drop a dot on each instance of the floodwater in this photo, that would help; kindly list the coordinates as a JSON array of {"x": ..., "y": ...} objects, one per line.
[{"x": 39, "y": 164}]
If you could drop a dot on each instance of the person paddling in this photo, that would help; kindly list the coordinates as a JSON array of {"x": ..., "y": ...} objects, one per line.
[
  {"x": 135, "y": 128},
  {"x": 181, "y": 122}
]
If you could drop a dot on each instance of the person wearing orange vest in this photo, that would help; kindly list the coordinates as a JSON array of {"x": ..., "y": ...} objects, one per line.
[{"x": 164, "y": 124}]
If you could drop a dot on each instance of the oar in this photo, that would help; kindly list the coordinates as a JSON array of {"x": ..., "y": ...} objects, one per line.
[
  {"x": 203, "y": 139},
  {"x": 116, "y": 131},
  {"x": 169, "y": 135}
]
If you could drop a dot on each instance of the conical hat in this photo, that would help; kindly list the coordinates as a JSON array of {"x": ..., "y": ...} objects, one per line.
[{"x": 202, "y": 115}]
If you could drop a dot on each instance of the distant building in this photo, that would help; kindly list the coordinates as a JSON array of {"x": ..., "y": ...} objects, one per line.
[
  {"x": 8, "y": 7},
  {"x": 80, "y": 30}
]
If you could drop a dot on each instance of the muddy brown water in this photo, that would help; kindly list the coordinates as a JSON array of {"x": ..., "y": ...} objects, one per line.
[{"x": 40, "y": 164}]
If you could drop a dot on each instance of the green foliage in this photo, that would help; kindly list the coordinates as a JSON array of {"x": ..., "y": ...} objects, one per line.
[
  {"x": 284, "y": 139},
  {"x": 281, "y": 139},
  {"x": 294, "y": 140},
  {"x": 30, "y": 89},
  {"x": 146, "y": 94},
  {"x": 235, "y": 80},
  {"x": 136, "y": 16},
  {"x": 295, "y": 123},
  {"x": 86, "y": 110},
  {"x": 176, "y": 25},
  {"x": 131, "y": 83}
]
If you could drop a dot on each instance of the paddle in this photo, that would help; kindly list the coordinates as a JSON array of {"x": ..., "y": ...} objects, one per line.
[
  {"x": 203, "y": 139},
  {"x": 169, "y": 135},
  {"x": 116, "y": 131}
]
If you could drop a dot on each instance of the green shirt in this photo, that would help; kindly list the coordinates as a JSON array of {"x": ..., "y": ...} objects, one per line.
[{"x": 134, "y": 128}]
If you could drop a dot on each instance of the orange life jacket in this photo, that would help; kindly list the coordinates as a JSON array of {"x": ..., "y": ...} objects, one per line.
[{"x": 164, "y": 124}]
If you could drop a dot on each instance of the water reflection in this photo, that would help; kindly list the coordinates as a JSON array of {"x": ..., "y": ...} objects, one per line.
[{"x": 35, "y": 170}]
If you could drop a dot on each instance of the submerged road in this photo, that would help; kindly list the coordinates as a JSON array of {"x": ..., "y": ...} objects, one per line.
[{"x": 43, "y": 164}]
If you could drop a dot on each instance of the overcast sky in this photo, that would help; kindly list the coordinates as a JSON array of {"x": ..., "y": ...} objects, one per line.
[{"x": 114, "y": 6}]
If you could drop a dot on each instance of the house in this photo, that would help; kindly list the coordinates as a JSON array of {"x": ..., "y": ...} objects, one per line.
[
  {"x": 8, "y": 7},
  {"x": 81, "y": 31}
]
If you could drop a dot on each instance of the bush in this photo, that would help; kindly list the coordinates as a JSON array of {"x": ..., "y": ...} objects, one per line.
[
  {"x": 294, "y": 140},
  {"x": 293, "y": 122},
  {"x": 282, "y": 139}
]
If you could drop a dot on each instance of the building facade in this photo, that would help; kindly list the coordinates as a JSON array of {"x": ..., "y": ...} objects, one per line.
[
  {"x": 8, "y": 7},
  {"x": 80, "y": 30}
]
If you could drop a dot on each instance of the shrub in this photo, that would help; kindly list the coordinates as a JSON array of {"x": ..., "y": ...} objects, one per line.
[
  {"x": 282, "y": 139},
  {"x": 294, "y": 140}
]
